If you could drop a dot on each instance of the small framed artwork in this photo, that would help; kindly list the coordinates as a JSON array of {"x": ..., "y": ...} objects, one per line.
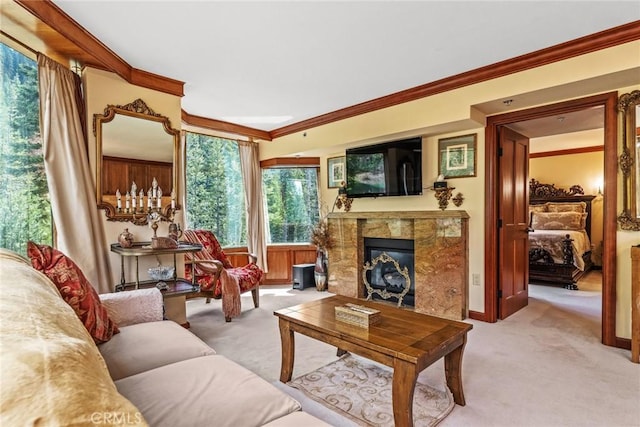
[
  {"x": 335, "y": 171},
  {"x": 457, "y": 156}
]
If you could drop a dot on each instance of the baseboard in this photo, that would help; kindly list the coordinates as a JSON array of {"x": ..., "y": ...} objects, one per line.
[
  {"x": 476, "y": 315},
  {"x": 624, "y": 343}
]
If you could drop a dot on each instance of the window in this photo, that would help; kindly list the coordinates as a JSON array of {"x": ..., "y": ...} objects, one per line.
[
  {"x": 292, "y": 203},
  {"x": 215, "y": 191},
  {"x": 25, "y": 211}
]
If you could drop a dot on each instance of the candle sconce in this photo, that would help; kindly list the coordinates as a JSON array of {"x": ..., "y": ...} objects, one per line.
[
  {"x": 342, "y": 200},
  {"x": 443, "y": 195},
  {"x": 457, "y": 200}
]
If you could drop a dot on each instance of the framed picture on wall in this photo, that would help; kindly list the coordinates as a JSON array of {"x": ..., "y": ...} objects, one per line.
[
  {"x": 335, "y": 171},
  {"x": 457, "y": 156}
]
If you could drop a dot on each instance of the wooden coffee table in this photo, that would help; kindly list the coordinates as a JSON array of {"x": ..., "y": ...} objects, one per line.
[{"x": 404, "y": 340}]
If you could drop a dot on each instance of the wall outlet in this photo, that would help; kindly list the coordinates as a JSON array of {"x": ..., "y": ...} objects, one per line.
[{"x": 476, "y": 279}]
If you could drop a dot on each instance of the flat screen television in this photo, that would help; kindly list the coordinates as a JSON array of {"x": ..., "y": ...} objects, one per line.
[{"x": 388, "y": 169}]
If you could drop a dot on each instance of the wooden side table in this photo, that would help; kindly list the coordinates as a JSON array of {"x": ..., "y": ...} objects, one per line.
[
  {"x": 635, "y": 304},
  {"x": 176, "y": 290},
  {"x": 177, "y": 286}
]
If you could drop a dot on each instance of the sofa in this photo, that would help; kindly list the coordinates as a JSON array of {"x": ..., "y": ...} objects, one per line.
[{"x": 150, "y": 372}]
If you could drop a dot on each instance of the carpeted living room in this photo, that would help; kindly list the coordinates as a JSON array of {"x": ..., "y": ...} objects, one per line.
[{"x": 543, "y": 366}]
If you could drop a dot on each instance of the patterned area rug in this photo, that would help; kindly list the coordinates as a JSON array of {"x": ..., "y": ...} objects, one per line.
[{"x": 361, "y": 391}]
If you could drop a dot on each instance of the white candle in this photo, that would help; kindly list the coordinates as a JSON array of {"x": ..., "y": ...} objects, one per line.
[
  {"x": 173, "y": 203},
  {"x": 133, "y": 201},
  {"x": 119, "y": 203},
  {"x": 141, "y": 199},
  {"x": 149, "y": 199},
  {"x": 118, "y": 196}
]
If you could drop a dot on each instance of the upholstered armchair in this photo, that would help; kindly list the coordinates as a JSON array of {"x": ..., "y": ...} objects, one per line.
[{"x": 217, "y": 277}]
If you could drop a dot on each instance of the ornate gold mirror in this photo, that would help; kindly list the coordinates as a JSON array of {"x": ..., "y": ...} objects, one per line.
[
  {"x": 629, "y": 161},
  {"x": 136, "y": 165}
]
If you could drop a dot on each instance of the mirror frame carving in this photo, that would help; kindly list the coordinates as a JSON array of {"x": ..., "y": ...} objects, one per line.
[
  {"x": 136, "y": 109},
  {"x": 627, "y": 104}
]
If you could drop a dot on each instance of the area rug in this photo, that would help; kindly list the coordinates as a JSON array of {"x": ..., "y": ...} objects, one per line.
[{"x": 361, "y": 391}]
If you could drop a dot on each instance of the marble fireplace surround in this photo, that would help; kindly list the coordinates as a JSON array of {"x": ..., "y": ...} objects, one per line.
[{"x": 441, "y": 255}]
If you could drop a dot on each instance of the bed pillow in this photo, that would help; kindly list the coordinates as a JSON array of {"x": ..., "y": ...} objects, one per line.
[
  {"x": 558, "y": 220},
  {"x": 75, "y": 289},
  {"x": 566, "y": 207},
  {"x": 536, "y": 208}
]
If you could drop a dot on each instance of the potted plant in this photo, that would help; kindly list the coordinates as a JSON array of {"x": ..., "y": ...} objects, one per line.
[{"x": 322, "y": 239}]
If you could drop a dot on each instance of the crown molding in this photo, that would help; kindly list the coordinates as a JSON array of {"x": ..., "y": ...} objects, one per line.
[
  {"x": 219, "y": 125},
  {"x": 102, "y": 57},
  {"x": 568, "y": 151},
  {"x": 99, "y": 55},
  {"x": 591, "y": 43}
]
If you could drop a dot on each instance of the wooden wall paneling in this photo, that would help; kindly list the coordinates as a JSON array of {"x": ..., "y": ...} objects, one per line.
[
  {"x": 279, "y": 260},
  {"x": 138, "y": 173},
  {"x": 120, "y": 173},
  {"x": 114, "y": 175},
  {"x": 163, "y": 174},
  {"x": 304, "y": 256}
]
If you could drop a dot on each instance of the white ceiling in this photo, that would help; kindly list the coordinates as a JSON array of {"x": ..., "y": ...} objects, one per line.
[{"x": 284, "y": 62}]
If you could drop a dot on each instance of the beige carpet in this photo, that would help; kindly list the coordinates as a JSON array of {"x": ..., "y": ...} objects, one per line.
[
  {"x": 542, "y": 367},
  {"x": 360, "y": 390}
]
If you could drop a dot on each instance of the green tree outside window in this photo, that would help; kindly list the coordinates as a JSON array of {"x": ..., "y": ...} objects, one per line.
[{"x": 25, "y": 211}]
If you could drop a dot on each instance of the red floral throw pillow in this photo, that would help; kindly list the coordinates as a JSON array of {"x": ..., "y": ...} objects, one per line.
[{"x": 75, "y": 290}]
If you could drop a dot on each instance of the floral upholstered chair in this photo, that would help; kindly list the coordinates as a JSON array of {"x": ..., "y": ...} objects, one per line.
[{"x": 216, "y": 276}]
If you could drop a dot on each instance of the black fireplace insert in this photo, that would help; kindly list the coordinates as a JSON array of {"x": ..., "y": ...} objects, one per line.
[{"x": 385, "y": 276}]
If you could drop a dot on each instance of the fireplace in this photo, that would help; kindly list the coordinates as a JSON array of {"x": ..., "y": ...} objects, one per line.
[
  {"x": 384, "y": 277},
  {"x": 440, "y": 255}
]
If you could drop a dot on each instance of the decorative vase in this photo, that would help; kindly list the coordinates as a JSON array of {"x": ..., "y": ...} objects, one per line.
[
  {"x": 125, "y": 239},
  {"x": 320, "y": 271}
]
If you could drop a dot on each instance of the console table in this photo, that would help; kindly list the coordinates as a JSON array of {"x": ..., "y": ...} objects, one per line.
[{"x": 179, "y": 286}]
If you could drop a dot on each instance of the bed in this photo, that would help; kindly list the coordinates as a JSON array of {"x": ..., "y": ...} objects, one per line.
[{"x": 560, "y": 234}]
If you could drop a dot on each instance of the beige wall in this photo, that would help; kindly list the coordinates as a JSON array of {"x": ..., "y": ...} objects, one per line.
[
  {"x": 458, "y": 112},
  {"x": 447, "y": 114},
  {"x": 103, "y": 88}
]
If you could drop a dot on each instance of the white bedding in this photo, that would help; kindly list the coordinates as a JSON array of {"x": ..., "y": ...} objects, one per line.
[{"x": 551, "y": 241}]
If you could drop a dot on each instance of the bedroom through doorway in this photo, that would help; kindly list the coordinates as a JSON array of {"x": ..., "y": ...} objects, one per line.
[{"x": 567, "y": 154}]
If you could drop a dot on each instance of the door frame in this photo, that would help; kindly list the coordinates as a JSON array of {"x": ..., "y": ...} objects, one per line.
[{"x": 492, "y": 182}]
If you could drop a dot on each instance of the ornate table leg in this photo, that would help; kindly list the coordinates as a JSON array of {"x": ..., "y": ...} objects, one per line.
[
  {"x": 404, "y": 382},
  {"x": 288, "y": 351},
  {"x": 120, "y": 287},
  {"x": 453, "y": 372}
]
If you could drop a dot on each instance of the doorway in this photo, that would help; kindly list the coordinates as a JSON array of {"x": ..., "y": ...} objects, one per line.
[{"x": 493, "y": 181}]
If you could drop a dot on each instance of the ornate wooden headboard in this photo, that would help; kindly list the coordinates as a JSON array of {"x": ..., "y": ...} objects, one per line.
[{"x": 543, "y": 193}]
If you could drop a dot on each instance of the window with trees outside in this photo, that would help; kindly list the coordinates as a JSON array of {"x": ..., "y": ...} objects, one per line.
[
  {"x": 215, "y": 190},
  {"x": 292, "y": 203},
  {"x": 25, "y": 211}
]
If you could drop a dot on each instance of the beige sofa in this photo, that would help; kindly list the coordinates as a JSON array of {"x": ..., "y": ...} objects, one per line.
[{"x": 153, "y": 372}]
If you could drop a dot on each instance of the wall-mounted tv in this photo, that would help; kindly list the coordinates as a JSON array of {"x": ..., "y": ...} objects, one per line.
[{"x": 388, "y": 169}]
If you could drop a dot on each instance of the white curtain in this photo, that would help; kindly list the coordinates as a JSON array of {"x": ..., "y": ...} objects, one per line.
[
  {"x": 252, "y": 177},
  {"x": 79, "y": 232}
]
